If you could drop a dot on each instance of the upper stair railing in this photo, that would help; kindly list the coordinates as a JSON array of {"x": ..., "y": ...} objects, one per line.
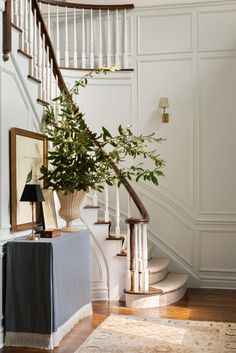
[
  {"x": 35, "y": 43},
  {"x": 88, "y": 36}
]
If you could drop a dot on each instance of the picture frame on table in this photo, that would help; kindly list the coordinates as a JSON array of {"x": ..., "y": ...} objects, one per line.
[{"x": 28, "y": 152}]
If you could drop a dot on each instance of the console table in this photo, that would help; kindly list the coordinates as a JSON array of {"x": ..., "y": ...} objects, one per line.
[{"x": 47, "y": 289}]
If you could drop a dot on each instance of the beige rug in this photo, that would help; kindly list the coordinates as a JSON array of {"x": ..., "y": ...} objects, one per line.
[{"x": 130, "y": 334}]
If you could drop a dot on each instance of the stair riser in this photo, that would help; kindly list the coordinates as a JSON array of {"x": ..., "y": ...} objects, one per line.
[
  {"x": 157, "y": 276},
  {"x": 154, "y": 301}
]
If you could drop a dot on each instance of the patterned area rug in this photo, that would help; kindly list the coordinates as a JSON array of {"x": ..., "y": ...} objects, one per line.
[{"x": 130, "y": 334}]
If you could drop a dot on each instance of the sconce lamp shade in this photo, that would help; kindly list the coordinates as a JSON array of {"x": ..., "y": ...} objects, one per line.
[
  {"x": 32, "y": 193},
  {"x": 163, "y": 103}
]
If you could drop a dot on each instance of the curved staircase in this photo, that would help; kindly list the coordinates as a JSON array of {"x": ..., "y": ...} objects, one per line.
[
  {"x": 130, "y": 272},
  {"x": 164, "y": 287}
]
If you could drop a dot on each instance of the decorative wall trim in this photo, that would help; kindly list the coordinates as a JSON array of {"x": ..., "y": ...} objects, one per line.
[
  {"x": 150, "y": 5},
  {"x": 99, "y": 286},
  {"x": 179, "y": 219},
  {"x": 210, "y": 213},
  {"x": 209, "y": 12},
  {"x": 29, "y": 97},
  {"x": 169, "y": 253},
  {"x": 200, "y": 238},
  {"x": 162, "y": 15}
]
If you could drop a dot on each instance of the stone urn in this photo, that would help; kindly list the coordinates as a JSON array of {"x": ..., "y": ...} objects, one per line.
[{"x": 70, "y": 208}]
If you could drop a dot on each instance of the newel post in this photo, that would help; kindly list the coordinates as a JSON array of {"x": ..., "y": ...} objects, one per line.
[{"x": 6, "y": 40}]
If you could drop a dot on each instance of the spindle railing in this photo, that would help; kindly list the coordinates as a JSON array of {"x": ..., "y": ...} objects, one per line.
[
  {"x": 35, "y": 43},
  {"x": 92, "y": 35}
]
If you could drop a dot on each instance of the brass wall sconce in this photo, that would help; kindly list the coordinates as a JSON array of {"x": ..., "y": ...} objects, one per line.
[{"x": 163, "y": 104}]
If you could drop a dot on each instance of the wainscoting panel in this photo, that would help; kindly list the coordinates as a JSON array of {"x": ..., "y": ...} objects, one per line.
[
  {"x": 214, "y": 244},
  {"x": 172, "y": 79},
  {"x": 106, "y": 102},
  {"x": 171, "y": 230},
  {"x": 217, "y": 145},
  {"x": 164, "y": 33},
  {"x": 217, "y": 30}
]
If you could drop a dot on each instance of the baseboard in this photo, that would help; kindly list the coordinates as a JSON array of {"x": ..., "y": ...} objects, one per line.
[{"x": 99, "y": 294}]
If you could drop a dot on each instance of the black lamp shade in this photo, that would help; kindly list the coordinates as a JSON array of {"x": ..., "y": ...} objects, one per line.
[{"x": 32, "y": 193}]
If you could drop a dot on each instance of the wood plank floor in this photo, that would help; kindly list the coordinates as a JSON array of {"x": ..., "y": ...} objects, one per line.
[{"x": 197, "y": 304}]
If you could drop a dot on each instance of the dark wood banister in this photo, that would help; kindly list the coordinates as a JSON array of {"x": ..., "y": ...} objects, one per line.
[
  {"x": 61, "y": 83},
  {"x": 87, "y": 6},
  {"x": 48, "y": 43},
  {"x": 6, "y": 39}
]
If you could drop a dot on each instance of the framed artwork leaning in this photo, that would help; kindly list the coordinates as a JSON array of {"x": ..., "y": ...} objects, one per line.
[
  {"x": 49, "y": 210},
  {"x": 28, "y": 153}
]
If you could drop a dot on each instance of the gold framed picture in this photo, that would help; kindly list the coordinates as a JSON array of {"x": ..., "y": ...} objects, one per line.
[{"x": 28, "y": 153}]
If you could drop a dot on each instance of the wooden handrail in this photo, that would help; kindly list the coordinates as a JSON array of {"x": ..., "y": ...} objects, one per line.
[
  {"x": 87, "y": 6},
  {"x": 48, "y": 43},
  {"x": 143, "y": 212},
  {"x": 6, "y": 40}
]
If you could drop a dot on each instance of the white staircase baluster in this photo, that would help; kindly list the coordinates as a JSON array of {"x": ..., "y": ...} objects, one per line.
[
  {"x": 100, "y": 56},
  {"x": 83, "y": 42},
  {"x": 125, "y": 243},
  {"x": 125, "y": 55},
  {"x": 117, "y": 39},
  {"x": 35, "y": 56},
  {"x": 40, "y": 57},
  {"x": 145, "y": 259},
  {"x": 12, "y": 12},
  {"x": 49, "y": 20},
  {"x": 140, "y": 257},
  {"x": 16, "y": 12},
  {"x": 26, "y": 29},
  {"x": 95, "y": 198},
  {"x": 47, "y": 68},
  {"x": 55, "y": 103},
  {"x": 91, "y": 40},
  {"x": 128, "y": 272},
  {"x": 136, "y": 274},
  {"x": 106, "y": 201},
  {"x": 43, "y": 70},
  {"x": 21, "y": 14},
  {"x": 66, "y": 39},
  {"x": 75, "y": 40},
  {"x": 23, "y": 24},
  {"x": 117, "y": 212},
  {"x": 57, "y": 37},
  {"x": 108, "y": 39},
  {"x": 51, "y": 78},
  {"x": 31, "y": 37}
]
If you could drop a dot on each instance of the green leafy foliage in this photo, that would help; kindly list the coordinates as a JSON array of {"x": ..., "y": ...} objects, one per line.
[{"x": 77, "y": 160}]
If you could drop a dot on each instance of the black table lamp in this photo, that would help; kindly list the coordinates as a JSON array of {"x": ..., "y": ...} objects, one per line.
[{"x": 32, "y": 193}]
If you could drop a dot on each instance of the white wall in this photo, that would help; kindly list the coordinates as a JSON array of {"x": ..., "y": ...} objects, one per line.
[{"x": 188, "y": 54}]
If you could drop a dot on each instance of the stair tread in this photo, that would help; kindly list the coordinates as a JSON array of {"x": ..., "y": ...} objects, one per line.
[
  {"x": 172, "y": 282},
  {"x": 157, "y": 265}
]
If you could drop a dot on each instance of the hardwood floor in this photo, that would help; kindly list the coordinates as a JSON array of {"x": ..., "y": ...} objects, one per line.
[{"x": 197, "y": 304}]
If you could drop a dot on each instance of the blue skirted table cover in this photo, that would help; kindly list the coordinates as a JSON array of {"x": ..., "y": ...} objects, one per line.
[{"x": 47, "y": 289}]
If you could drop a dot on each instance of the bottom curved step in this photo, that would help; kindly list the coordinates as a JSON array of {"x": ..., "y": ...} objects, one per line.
[{"x": 173, "y": 289}]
